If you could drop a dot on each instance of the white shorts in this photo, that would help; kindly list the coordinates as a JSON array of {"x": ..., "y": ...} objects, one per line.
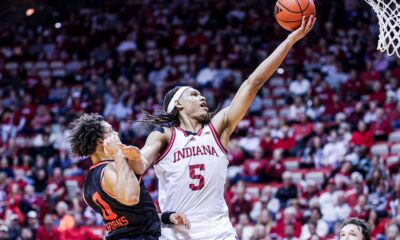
[{"x": 221, "y": 230}]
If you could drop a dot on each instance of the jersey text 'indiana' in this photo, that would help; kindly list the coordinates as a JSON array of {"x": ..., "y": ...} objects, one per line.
[{"x": 194, "y": 151}]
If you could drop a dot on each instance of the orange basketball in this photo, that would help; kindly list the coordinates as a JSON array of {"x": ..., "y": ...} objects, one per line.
[{"x": 289, "y": 13}]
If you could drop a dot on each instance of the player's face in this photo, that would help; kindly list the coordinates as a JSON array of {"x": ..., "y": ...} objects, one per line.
[
  {"x": 108, "y": 131},
  {"x": 194, "y": 104},
  {"x": 351, "y": 232}
]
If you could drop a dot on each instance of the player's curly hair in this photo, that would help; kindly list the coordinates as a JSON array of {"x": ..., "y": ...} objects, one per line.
[
  {"x": 86, "y": 132},
  {"x": 170, "y": 119},
  {"x": 363, "y": 225}
]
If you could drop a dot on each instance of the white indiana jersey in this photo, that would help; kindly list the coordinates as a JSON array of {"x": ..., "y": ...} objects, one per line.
[{"x": 192, "y": 173}]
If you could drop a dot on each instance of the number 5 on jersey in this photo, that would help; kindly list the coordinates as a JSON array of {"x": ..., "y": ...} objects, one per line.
[{"x": 196, "y": 172}]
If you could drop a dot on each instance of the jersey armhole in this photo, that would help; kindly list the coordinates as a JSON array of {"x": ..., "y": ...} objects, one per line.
[
  {"x": 101, "y": 185},
  {"x": 217, "y": 139},
  {"x": 166, "y": 151}
]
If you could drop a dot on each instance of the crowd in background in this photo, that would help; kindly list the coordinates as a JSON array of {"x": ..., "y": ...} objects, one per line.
[{"x": 332, "y": 109}]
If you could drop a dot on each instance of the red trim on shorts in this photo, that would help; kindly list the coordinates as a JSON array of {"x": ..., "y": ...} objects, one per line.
[
  {"x": 215, "y": 134},
  {"x": 171, "y": 142}
]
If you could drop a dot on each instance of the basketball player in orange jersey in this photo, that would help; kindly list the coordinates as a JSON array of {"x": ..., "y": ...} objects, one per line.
[
  {"x": 111, "y": 188},
  {"x": 190, "y": 158}
]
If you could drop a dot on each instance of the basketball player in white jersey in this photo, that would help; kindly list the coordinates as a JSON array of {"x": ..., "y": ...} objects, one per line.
[{"x": 190, "y": 158}]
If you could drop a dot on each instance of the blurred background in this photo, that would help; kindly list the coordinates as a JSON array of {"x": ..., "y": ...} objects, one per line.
[{"x": 321, "y": 142}]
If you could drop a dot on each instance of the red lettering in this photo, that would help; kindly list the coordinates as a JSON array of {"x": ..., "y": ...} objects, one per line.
[
  {"x": 213, "y": 152},
  {"x": 199, "y": 152},
  {"x": 120, "y": 222}
]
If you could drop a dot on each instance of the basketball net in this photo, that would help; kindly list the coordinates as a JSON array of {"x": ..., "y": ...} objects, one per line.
[{"x": 388, "y": 12}]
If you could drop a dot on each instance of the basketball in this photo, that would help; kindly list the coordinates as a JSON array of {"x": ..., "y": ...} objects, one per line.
[{"x": 289, "y": 13}]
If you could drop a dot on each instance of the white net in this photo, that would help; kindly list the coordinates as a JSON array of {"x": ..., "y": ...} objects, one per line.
[{"x": 388, "y": 12}]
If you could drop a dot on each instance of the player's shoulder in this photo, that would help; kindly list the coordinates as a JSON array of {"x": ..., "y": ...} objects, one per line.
[{"x": 161, "y": 132}]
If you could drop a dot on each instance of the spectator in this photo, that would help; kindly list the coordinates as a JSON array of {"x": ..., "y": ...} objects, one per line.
[
  {"x": 342, "y": 209},
  {"x": 273, "y": 169},
  {"x": 313, "y": 155},
  {"x": 334, "y": 150},
  {"x": 287, "y": 191},
  {"x": 391, "y": 233},
  {"x": 310, "y": 193},
  {"x": 363, "y": 137},
  {"x": 321, "y": 227},
  {"x": 381, "y": 127},
  {"x": 15, "y": 228},
  {"x": 296, "y": 109},
  {"x": 48, "y": 231},
  {"x": 79, "y": 231},
  {"x": 361, "y": 209},
  {"x": 358, "y": 189},
  {"x": 64, "y": 220},
  {"x": 239, "y": 202},
  {"x": 287, "y": 226},
  {"x": 267, "y": 202},
  {"x": 299, "y": 86},
  {"x": 26, "y": 234},
  {"x": 377, "y": 200},
  {"x": 315, "y": 110}
]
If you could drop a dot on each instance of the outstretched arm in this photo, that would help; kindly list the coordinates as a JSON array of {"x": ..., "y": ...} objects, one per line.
[
  {"x": 118, "y": 178},
  {"x": 139, "y": 161},
  {"x": 227, "y": 120}
]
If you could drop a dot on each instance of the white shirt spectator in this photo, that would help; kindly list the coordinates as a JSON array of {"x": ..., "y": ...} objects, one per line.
[
  {"x": 322, "y": 230},
  {"x": 342, "y": 211},
  {"x": 299, "y": 87},
  {"x": 295, "y": 111},
  {"x": 334, "y": 153},
  {"x": 206, "y": 75},
  {"x": 273, "y": 206}
]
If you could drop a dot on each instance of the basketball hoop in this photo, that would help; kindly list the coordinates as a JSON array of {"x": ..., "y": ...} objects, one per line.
[{"x": 388, "y": 12}]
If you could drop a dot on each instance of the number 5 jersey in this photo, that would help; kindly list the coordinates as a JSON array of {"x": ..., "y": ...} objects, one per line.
[
  {"x": 121, "y": 221},
  {"x": 192, "y": 173}
]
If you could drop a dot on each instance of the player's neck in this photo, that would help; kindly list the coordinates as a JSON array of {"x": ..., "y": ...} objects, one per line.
[
  {"x": 191, "y": 125},
  {"x": 98, "y": 157}
]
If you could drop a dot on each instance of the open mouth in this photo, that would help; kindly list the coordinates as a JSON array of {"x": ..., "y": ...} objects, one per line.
[{"x": 204, "y": 105}]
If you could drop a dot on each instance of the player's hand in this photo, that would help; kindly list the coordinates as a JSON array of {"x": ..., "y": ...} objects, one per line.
[
  {"x": 180, "y": 219},
  {"x": 132, "y": 153},
  {"x": 304, "y": 29},
  {"x": 111, "y": 145}
]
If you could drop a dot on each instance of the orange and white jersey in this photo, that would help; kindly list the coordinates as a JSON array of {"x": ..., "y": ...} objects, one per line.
[{"x": 192, "y": 173}]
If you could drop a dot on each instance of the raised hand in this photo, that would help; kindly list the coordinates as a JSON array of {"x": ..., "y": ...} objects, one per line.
[
  {"x": 304, "y": 29},
  {"x": 180, "y": 219},
  {"x": 112, "y": 145},
  {"x": 132, "y": 153}
]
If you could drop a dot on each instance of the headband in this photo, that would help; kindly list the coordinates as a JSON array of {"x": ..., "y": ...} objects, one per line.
[{"x": 176, "y": 97}]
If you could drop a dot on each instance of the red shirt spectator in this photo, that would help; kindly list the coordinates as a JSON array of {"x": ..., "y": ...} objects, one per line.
[
  {"x": 240, "y": 204},
  {"x": 273, "y": 169},
  {"x": 288, "y": 218},
  {"x": 48, "y": 231},
  {"x": 382, "y": 124},
  {"x": 362, "y": 137},
  {"x": 79, "y": 232}
]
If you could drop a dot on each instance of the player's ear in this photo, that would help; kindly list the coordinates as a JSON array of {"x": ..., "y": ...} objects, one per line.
[
  {"x": 100, "y": 143},
  {"x": 178, "y": 105}
]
